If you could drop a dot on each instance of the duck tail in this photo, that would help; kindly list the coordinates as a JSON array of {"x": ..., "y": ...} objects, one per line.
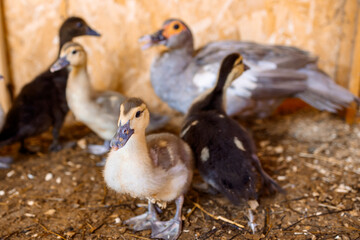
[
  {"x": 232, "y": 66},
  {"x": 324, "y": 94}
]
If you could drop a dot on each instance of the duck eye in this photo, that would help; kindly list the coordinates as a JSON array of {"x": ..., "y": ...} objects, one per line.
[
  {"x": 176, "y": 26},
  {"x": 138, "y": 113},
  {"x": 74, "y": 52},
  {"x": 79, "y": 24}
]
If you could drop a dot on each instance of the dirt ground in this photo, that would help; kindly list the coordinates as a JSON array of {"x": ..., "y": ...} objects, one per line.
[{"x": 314, "y": 156}]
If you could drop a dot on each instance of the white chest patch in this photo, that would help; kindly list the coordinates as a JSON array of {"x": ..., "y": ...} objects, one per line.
[
  {"x": 187, "y": 129},
  {"x": 221, "y": 116},
  {"x": 205, "y": 154},
  {"x": 239, "y": 144}
]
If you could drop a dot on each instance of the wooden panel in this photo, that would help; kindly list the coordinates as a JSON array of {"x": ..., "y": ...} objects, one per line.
[
  {"x": 116, "y": 61},
  {"x": 4, "y": 95},
  {"x": 354, "y": 84}
]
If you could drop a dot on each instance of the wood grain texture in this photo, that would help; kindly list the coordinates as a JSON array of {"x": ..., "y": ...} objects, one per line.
[
  {"x": 116, "y": 61},
  {"x": 4, "y": 69}
]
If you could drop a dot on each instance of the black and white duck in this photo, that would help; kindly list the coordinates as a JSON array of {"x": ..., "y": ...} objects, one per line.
[{"x": 224, "y": 152}]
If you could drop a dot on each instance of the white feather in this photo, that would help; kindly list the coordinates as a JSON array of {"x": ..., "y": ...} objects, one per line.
[
  {"x": 205, "y": 78},
  {"x": 244, "y": 84}
]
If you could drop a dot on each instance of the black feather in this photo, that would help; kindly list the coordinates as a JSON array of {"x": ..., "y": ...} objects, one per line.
[
  {"x": 41, "y": 104},
  {"x": 232, "y": 166}
]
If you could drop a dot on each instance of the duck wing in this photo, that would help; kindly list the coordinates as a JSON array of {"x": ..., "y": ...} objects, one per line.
[
  {"x": 109, "y": 101},
  {"x": 167, "y": 150},
  {"x": 273, "y": 69},
  {"x": 276, "y": 72}
]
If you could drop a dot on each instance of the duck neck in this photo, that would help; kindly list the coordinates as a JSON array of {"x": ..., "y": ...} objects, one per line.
[
  {"x": 79, "y": 91},
  {"x": 137, "y": 148},
  {"x": 213, "y": 99}
]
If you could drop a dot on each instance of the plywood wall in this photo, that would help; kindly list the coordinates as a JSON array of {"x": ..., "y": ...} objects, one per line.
[{"x": 326, "y": 28}]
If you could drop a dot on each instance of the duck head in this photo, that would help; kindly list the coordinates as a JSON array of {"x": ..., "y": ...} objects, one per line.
[
  {"x": 74, "y": 27},
  {"x": 134, "y": 118},
  {"x": 174, "y": 34},
  {"x": 71, "y": 54}
]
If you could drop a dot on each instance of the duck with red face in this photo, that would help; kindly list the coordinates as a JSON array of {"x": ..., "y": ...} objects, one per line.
[{"x": 181, "y": 73}]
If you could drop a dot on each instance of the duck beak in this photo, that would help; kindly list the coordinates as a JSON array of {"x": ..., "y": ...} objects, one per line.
[
  {"x": 246, "y": 67},
  {"x": 153, "y": 39},
  {"x": 60, "y": 64},
  {"x": 121, "y": 137},
  {"x": 92, "y": 32}
]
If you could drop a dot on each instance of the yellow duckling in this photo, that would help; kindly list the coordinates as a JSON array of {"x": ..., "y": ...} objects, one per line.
[
  {"x": 98, "y": 110},
  {"x": 158, "y": 167}
]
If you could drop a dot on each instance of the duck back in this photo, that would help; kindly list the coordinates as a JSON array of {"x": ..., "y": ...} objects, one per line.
[
  {"x": 223, "y": 154},
  {"x": 36, "y": 108}
]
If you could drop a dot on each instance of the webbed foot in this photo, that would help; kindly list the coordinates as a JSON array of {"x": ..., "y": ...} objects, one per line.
[
  {"x": 99, "y": 149},
  {"x": 166, "y": 230},
  {"x": 141, "y": 222},
  {"x": 55, "y": 147},
  {"x": 101, "y": 163},
  {"x": 5, "y": 162}
]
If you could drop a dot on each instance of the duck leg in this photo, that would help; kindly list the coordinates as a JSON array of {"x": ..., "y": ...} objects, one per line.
[
  {"x": 99, "y": 149},
  {"x": 143, "y": 221},
  {"x": 170, "y": 230},
  {"x": 24, "y": 150},
  {"x": 5, "y": 162}
]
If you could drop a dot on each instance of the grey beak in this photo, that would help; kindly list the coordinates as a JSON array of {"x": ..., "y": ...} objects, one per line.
[
  {"x": 121, "y": 137},
  {"x": 60, "y": 64},
  {"x": 92, "y": 32},
  {"x": 152, "y": 39}
]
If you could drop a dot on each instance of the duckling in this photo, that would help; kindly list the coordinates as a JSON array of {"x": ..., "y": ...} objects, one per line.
[
  {"x": 181, "y": 73},
  {"x": 224, "y": 152},
  {"x": 41, "y": 104},
  {"x": 158, "y": 167},
  {"x": 98, "y": 110}
]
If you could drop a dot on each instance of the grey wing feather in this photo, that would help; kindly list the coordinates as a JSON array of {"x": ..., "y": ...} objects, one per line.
[
  {"x": 110, "y": 101},
  {"x": 166, "y": 150},
  {"x": 278, "y": 83},
  {"x": 254, "y": 54}
]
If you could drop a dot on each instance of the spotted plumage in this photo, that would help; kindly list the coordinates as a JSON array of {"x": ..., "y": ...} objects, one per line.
[{"x": 224, "y": 152}]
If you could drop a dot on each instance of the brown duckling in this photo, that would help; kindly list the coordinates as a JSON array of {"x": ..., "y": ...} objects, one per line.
[
  {"x": 277, "y": 72},
  {"x": 224, "y": 152},
  {"x": 98, "y": 110},
  {"x": 158, "y": 167},
  {"x": 41, "y": 103}
]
